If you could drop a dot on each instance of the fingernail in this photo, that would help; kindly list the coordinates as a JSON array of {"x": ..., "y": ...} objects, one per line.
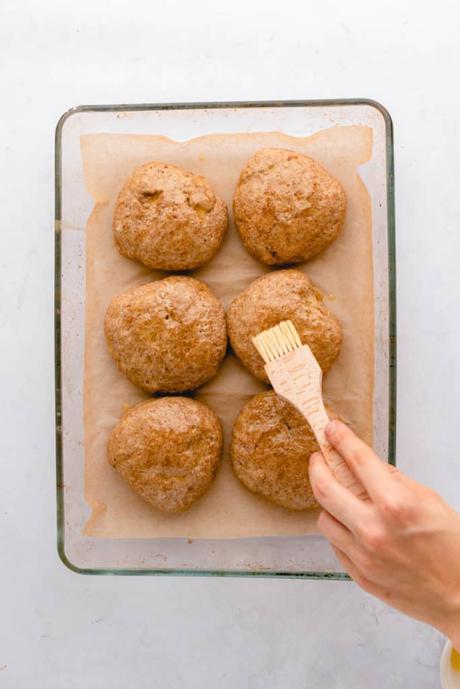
[{"x": 332, "y": 428}]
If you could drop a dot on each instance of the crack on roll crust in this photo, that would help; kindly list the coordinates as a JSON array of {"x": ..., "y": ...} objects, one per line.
[
  {"x": 287, "y": 207},
  {"x": 168, "y": 450},
  {"x": 279, "y": 296},
  {"x": 270, "y": 451},
  {"x": 168, "y": 335},
  {"x": 168, "y": 218}
]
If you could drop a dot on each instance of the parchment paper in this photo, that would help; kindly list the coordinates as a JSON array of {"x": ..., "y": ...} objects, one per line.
[{"x": 343, "y": 271}]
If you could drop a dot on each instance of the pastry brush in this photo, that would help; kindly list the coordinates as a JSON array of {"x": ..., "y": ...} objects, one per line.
[{"x": 297, "y": 377}]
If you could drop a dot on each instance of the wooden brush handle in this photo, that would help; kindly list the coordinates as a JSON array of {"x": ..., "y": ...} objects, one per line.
[
  {"x": 298, "y": 378},
  {"x": 317, "y": 417}
]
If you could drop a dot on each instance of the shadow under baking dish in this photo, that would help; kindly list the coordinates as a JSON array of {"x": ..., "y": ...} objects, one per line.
[{"x": 300, "y": 557}]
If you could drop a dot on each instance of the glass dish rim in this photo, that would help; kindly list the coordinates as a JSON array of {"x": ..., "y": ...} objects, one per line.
[{"x": 57, "y": 320}]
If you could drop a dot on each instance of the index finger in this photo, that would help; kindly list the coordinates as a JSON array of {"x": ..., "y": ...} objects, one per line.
[
  {"x": 335, "y": 498},
  {"x": 371, "y": 471}
]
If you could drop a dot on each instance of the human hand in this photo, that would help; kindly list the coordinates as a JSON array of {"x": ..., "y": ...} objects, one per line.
[{"x": 401, "y": 544}]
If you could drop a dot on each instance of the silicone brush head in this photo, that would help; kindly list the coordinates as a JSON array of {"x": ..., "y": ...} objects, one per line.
[{"x": 276, "y": 342}]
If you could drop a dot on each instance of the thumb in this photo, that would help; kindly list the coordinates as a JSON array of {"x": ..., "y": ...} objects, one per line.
[{"x": 362, "y": 460}]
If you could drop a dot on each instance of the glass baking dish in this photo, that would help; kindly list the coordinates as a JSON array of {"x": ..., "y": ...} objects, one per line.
[{"x": 304, "y": 557}]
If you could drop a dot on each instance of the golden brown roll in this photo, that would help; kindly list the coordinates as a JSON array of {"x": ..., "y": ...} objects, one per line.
[
  {"x": 287, "y": 208},
  {"x": 278, "y": 296},
  {"x": 168, "y": 450},
  {"x": 168, "y": 335},
  {"x": 271, "y": 447},
  {"x": 168, "y": 218}
]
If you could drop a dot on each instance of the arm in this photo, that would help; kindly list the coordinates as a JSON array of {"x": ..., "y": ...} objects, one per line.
[{"x": 401, "y": 544}]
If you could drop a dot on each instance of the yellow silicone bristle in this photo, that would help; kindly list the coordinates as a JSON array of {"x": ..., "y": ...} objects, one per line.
[{"x": 277, "y": 341}]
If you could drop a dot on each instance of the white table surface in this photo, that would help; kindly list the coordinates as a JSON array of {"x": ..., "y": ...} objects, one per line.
[{"x": 58, "y": 629}]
